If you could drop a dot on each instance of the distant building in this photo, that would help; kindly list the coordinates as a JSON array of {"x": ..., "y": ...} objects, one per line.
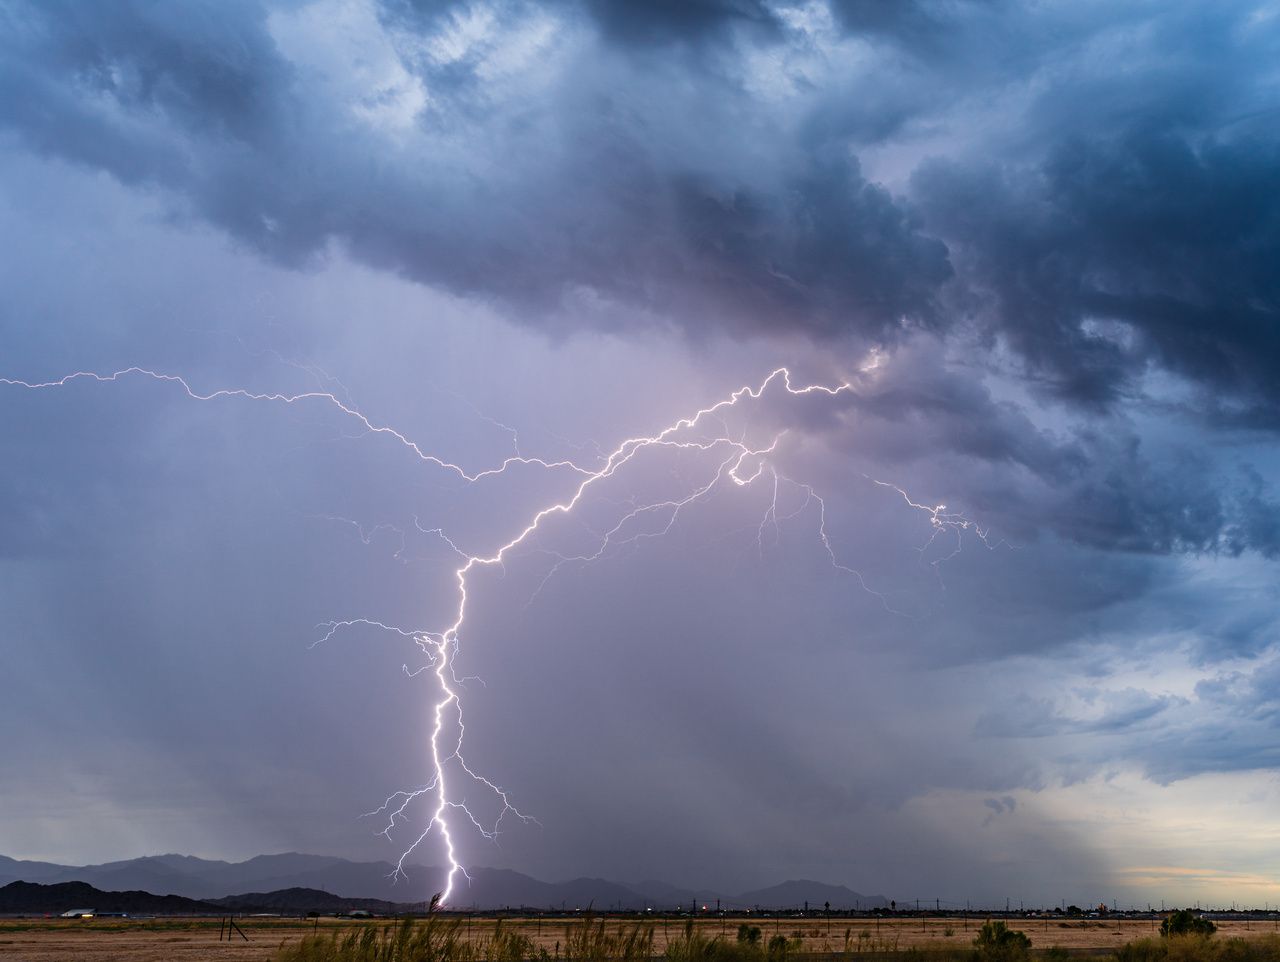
[{"x": 78, "y": 914}]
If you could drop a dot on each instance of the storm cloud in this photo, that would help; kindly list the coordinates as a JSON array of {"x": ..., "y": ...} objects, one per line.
[
  {"x": 528, "y": 165},
  {"x": 580, "y": 188}
]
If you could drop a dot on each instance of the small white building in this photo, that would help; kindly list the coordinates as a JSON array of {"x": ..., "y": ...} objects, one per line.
[{"x": 79, "y": 914}]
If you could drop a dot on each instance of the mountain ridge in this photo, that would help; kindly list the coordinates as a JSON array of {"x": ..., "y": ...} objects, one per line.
[{"x": 211, "y": 880}]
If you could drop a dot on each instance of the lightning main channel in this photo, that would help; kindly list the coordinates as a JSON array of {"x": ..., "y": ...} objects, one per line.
[{"x": 736, "y": 461}]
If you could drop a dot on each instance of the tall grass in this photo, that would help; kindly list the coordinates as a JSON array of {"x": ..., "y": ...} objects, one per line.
[
  {"x": 441, "y": 940},
  {"x": 1199, "y": 948},
  {"x": 696, "y": 946},
  {"x": 588, "y": 941},
  {"x": 435, "y": 940}
]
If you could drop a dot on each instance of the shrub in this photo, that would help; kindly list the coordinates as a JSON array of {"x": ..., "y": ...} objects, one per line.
[
  {"x": 999, "y": 943},
  {"x": 777, "y": 951},
  {"x": 1144, "y": 950},
  {"x": 1186, "y": 922}
]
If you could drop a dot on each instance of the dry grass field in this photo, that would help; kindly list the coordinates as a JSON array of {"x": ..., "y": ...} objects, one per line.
[{"x": 196, "y": 940}]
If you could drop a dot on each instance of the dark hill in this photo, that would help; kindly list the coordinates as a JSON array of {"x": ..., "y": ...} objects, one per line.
[
  {"x": 34, "y": 898},
  {"x": 300, "y": 901}
]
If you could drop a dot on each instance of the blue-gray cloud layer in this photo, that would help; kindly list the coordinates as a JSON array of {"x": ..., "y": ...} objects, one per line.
[{"x": 1125, "y": 217}]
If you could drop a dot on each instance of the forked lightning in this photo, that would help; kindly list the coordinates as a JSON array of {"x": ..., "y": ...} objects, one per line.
[{"x": 735, "y": 461}]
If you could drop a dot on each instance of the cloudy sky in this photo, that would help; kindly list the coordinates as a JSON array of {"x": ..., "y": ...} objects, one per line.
[{"x": 1038, "y": 241}]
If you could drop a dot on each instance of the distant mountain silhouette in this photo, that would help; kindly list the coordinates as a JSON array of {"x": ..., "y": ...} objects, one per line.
[
  {"x": 35, "y": 898},
  {"x": 12, "y": 870},
  {"x": 199, "y": 878},
  {"x": 217, "y": 881}
]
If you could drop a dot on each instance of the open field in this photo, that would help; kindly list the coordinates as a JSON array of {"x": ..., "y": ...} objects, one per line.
[{"x": 195, "y": 940}]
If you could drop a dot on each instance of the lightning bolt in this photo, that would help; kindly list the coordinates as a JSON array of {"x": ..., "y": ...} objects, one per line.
[{"x": 736, "y": 461}]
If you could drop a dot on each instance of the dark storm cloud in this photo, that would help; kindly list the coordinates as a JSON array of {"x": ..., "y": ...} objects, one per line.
[
  {"x": 92, "y": 79},
  {"x": 921, "y": 26},
  {"x": 1126, "y": 221},
  {"x": 203, "y": 104},
  {"x": 1140, "y": 249},
  {"x": 1181, "y": 503},
  {"x": 1131, "y": 222},
  {"x": 824, "y": 260},
  {"x": 626, "y": 23},
  {"x": 1096, "y": 483},
  {"x": 1142, "y": 234},
  {"x": 641, "y": 21}
]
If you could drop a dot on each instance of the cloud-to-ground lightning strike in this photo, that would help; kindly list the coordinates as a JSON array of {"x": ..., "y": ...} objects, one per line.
[{"x": 735, "y": 461}]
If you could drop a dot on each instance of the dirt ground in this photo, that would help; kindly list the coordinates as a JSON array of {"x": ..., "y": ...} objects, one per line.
[{"x": 196, "y": 940}]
